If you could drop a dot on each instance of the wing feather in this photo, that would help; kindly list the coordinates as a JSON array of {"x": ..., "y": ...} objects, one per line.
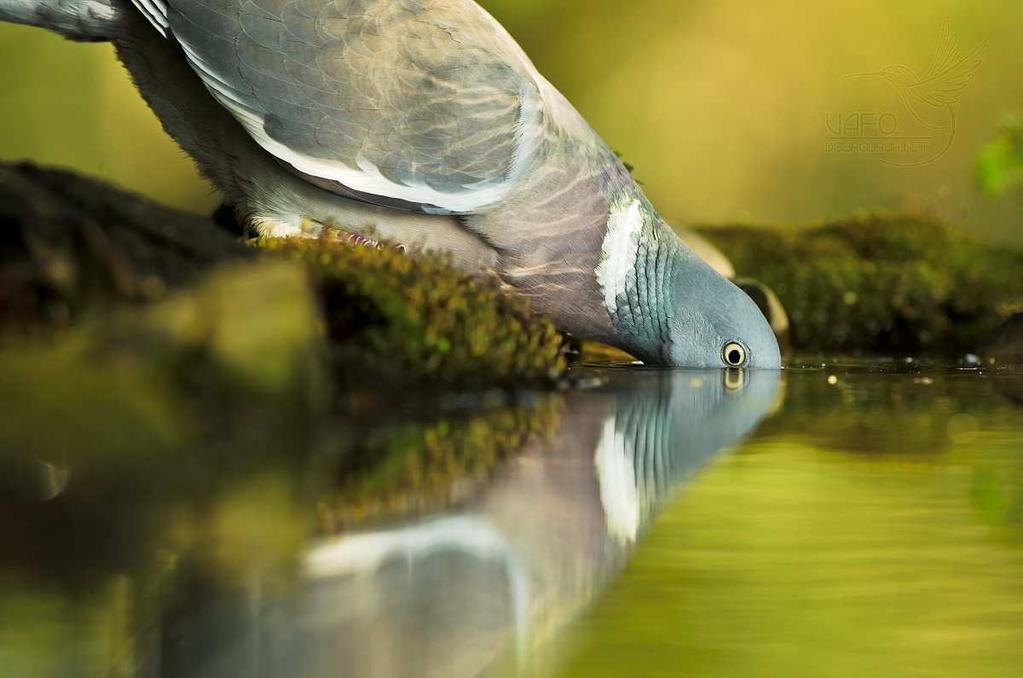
[{"x": 424, "y": 103}]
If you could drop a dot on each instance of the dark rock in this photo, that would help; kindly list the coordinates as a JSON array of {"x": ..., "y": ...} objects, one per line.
[
  {"x": 68, "y": 242},
  {"x": 1006, "y": 343}
]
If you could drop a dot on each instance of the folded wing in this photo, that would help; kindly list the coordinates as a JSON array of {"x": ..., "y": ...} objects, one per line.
[{"x": 427, "y": 104}]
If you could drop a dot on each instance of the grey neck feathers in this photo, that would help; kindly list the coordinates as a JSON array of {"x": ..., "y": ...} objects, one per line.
[{"x": 643, "y": 311}]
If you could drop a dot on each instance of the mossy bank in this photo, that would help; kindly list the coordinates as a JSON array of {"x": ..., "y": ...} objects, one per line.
[
  {"x": 416, "y": 318},
  {"x": 879, "y": 284}
]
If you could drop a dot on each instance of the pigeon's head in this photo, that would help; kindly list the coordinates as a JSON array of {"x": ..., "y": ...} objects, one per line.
[
  {"x": 669, "y": 307},
  {"x": 712, "y": 323}
]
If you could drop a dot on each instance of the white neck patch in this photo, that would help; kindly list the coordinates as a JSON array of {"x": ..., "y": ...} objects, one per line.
[{"x": 618, "y": 253}]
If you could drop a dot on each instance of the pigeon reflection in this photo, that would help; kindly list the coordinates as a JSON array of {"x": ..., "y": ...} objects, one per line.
[{"x": 452, "y": 594}]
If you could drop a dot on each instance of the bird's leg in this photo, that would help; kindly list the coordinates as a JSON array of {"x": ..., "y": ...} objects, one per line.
[
  {"x": 85, "y": 20},
  {"x": 313, "y": 228},
  {"x": 352, "y": 237}
]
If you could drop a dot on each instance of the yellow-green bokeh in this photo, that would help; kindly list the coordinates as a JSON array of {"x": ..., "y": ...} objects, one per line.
[
  {"x": 73, "y": 104},
  {"x": 721, "y": 104}
]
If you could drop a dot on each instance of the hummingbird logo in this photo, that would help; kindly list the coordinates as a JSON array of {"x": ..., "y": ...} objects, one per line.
[{"x": 930, "y": 97}]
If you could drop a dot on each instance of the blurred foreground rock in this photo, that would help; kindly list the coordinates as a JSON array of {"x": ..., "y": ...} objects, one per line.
[{"x": 139, "y": 381}]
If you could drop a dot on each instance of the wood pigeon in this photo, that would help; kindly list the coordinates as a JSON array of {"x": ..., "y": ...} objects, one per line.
[{"x": 422, "y": 122}]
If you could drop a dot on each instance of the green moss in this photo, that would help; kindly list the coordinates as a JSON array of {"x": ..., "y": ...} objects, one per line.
[
  {"x": 418, "y": 319},
  {"x": 879, "y": 284}
]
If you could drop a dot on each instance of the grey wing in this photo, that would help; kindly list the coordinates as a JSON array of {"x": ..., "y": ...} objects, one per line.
[{"x": 425, "y": 103}]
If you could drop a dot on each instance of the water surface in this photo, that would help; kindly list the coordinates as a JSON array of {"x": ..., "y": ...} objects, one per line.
[
  {"x": 874, "y": 526},
  {"x": 844, "y": 519}
]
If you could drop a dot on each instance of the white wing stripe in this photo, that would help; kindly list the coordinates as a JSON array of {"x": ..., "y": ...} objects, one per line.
[
  {"x": 367, "y": 178},
  {"x": 156, "y": 12}
]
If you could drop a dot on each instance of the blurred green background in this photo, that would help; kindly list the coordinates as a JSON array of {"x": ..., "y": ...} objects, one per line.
[{"x": 720, "y": 104}]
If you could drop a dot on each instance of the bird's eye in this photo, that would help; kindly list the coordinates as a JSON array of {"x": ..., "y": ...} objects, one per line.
[{"x": 734, "y": 354}]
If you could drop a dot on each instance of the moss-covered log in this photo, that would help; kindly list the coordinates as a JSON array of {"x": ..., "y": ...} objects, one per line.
[
  {"x": 69, "y": 244},
  {"x": 71, "y": 247}
]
